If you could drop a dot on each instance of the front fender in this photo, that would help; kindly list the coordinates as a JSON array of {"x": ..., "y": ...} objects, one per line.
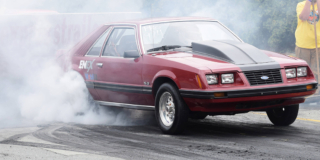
[{"x": 167, "y": 74}]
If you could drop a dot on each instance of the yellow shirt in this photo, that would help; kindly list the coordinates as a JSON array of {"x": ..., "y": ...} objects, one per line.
[{"x": 305, "y": 37}]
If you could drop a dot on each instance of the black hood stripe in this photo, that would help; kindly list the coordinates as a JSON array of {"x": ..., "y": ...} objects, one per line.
[
  {"x": 244, "y": 56},
  {"x": 254, "y": 53}
]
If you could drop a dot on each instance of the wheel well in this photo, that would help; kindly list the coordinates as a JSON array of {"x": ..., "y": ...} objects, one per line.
[{"x": 158, "y": 82}]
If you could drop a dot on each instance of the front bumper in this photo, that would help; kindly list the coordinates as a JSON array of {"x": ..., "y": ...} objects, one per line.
[
  {"x": 247, "y": 100},
  {"x": 248, "y": 92}
]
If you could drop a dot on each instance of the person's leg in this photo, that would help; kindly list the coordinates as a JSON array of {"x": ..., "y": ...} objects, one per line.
[
  {"x": 297, "y": 51},
  {"x": 304, "y": 54},
  {"x": 313, "y": 60},
  {"x": 314, "y": 65}
]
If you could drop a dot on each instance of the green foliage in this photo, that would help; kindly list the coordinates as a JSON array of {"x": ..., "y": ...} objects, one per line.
[{"x": 276, "y": 31}]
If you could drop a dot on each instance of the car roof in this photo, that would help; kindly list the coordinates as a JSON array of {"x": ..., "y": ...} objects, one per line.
[{"x": 157, "y": 20}]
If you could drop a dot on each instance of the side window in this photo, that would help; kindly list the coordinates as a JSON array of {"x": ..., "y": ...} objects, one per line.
[
  {"x": 96, "y": 47},
  {"x": 120, "y": 41}
]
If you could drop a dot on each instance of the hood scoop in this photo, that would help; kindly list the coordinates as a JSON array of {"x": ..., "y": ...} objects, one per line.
[{"x": 231, "y": 51}]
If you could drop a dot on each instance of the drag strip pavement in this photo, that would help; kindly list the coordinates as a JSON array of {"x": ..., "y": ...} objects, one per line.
[{"x": 245, "y": 136}]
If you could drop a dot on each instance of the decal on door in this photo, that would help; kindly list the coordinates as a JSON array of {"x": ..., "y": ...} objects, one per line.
[
  {"x": 86, "y": 64},
  {"x": 90, "y": 76}
]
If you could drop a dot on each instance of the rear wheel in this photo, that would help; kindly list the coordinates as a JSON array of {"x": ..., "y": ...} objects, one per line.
[
  {"x": 284, "y": 116},
  {"x": 171, "y": 111}
]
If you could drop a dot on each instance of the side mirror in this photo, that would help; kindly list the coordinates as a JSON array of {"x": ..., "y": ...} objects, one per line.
[{"x": 131, "y": 54}]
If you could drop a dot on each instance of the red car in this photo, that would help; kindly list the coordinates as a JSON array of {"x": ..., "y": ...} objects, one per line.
[{"x": 189, "y": 68}]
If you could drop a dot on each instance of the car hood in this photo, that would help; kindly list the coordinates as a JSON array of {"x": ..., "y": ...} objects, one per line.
[{"x": 227, "y": 55}]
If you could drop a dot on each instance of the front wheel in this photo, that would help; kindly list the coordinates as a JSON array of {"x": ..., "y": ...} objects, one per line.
[
  {"x": 197, "y": 116},
  {"x": 171, "y": 111},
  {"x": 284, "y": 116}
]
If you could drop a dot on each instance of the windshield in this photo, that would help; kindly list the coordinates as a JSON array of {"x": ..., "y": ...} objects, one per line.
[{"x": 183, "y": 33}]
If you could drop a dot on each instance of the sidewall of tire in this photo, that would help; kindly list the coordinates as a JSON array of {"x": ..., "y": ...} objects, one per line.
[
  {"x": 197, "y": 116},
  {"x": 181, "y": 110},
  {"x": 288, "y": 119}
]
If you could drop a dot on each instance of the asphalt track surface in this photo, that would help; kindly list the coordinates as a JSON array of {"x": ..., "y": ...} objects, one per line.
[{"x": 244, "y": 136}]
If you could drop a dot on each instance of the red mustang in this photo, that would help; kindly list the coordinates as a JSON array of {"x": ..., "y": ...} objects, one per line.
[{"x": 189, "y": 68}]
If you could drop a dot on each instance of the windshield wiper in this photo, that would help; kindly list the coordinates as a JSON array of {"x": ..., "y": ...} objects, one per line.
[{"x": 164, "y": 48}]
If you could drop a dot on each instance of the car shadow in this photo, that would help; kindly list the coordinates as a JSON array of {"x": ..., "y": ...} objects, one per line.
[{"x": 232, "y": 128}]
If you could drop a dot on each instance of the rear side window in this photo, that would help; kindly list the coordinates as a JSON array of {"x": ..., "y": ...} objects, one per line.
[{"x": 96, "y": 47}]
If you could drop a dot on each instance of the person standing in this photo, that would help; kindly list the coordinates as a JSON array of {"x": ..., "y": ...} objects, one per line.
[{"x": 305, "y": 35}]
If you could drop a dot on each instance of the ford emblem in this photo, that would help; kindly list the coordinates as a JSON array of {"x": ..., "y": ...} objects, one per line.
[{"x": 264, "y": 77}]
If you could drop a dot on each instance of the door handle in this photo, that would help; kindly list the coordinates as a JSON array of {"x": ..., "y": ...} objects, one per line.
[{"x": 99, "y": 64}]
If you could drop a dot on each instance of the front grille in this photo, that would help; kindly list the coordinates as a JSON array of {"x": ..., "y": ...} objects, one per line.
[{"x": 254, "y": 77}]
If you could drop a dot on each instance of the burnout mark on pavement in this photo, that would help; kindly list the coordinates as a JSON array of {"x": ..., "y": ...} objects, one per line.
[
  {"x": 65, "y": 152},
  {"x": 302, "y": 119},
  {"x": 30, "y": 138}
]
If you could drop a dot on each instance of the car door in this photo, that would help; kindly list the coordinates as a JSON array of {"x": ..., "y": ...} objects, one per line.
[
  {"x": 119, "y": 79},
  {"x": 86, "y": 63}
]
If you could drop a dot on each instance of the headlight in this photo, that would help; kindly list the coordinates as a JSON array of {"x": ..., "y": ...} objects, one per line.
[
  {"x": 212, "y": 79},
  {"x": 291, "y": 73},
  {"x": 302, "y": 71},
  {"x": 227, "y": 78}
]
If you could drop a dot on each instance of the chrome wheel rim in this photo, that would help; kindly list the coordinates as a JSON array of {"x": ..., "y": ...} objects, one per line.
[{"x": 166, "y": 109}]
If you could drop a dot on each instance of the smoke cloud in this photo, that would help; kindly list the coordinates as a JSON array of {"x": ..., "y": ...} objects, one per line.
[
  {"x": 268, "y": 25},
  {"x": 34, "y": 88}
]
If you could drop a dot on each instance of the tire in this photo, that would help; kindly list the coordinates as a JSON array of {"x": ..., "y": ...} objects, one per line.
[
  {"x": 197, "y": 116},
  {"x": 170, "y": 110},
  {"x": 284, "y": 116}
]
